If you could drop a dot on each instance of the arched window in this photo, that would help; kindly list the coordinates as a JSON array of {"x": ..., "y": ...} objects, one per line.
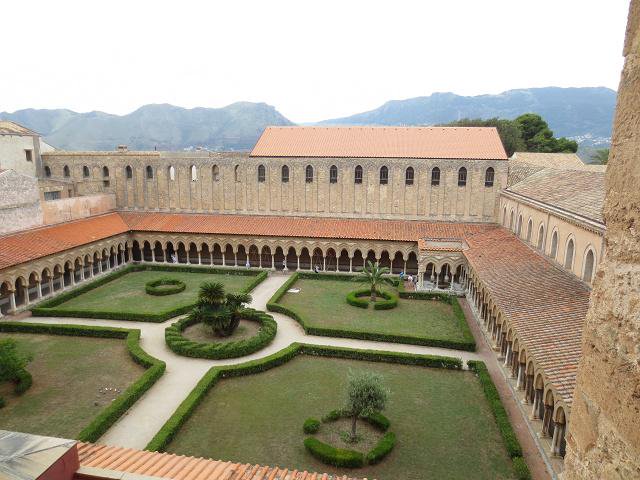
[
  {"x": 308, "y": 174},
  {"x": 128, "y": 172},
  {"x": 408, "y": 176},
  {"x": 284, "y": 174},
  {"x": 47, "y": 171},
  {"x": 541, "y": 238},
  {"x": 105, "y": 171},
  {"x": 236, "y": 173},
  {"x": 553, "y": 253},
  {"x": 357, "y": 175},
  {"x": 435, "y": 177},
  {"x": 149, "y": 172},
  {"x": 172, "y": 173},
  {"x": 589, "y": 263},
  {"x": 384, "y": 175},
  {"x": 462, "y": 177},
  {"x": 568, "y": 256},
  {"x": 262, "y": 173},
  {"x": 194, "y": 173},
  {"x": 333, "y": 174},
  {"x": 85, "y": 172},
  {"x": 215, "y": 173},
  {"x": 488, "y": 177},
  {"x": 66, "y": 172},
  {"x": 529, "y": 230},
  {"x": 519, "y": 225}
]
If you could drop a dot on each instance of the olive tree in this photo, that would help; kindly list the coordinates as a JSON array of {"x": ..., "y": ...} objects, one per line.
[{"x": 365, "y": 395}]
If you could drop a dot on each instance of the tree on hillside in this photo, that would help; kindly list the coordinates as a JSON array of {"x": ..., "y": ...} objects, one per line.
[
  {"x": 538, "y": 137},
  {"x": 507, "y": 129},
  {"x": 600, "y": 156},
  {"x": 373, "y": 274},
  {"x": 222, "y": 312},
  {"x": 365, "y": 395}
]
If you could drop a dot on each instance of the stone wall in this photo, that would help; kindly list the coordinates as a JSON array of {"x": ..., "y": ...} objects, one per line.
[
  {"x": 604, "y": 432},
  {"x": 19, "y": 202},
  {"x": 228, "y": 183},
  {"x": 74, "y": 208}
]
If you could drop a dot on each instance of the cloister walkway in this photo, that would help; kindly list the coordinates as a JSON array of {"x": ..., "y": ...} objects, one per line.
[{"x": 143, "y": 420}]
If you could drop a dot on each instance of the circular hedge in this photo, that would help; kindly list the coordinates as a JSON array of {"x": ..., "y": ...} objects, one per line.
[
  {"x": 164, "y": 286},
  {"x": 218, "y": 350},
  {"x": 341, "y": 457},
  {"x": 359, "y": 298}
]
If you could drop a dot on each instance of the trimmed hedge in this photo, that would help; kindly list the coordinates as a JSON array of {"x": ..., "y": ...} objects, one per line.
[
  {"x": 468, "y": 344},
  {"x": 379, "y": 421},
  {"x": 107, "y": 417},
  {"x": 186, "y": 408},
  {"x": 382, "y": 448},
  {"x": 338, "y": 457},
  {"x": 311, "y": 425},
  {"x": 217, "y": 350},
  {"x": 514, "y": 449},
  {"x": 47, "y": 308},
  {"x": 175, "y": 286},
  {"x": 355, "y": 298}
]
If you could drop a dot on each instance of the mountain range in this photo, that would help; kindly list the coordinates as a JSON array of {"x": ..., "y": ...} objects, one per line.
[{"x": 584, "y": 114}]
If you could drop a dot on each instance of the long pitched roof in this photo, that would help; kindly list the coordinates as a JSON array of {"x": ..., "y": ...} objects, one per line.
[
  {"x": 559, "y": 161},
  {"x": 180, "y": 467},
  {"x": 12, "y": 128},
  {"x": 576, "y": 191},
  {"x": 481, "y": 143},
  {"x": 546, "y": 305}
]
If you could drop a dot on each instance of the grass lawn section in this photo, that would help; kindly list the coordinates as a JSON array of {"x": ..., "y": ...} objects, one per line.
[
  {"x": 322, "y": 304},
  {"x": 126, "y": 294},
  {"x": 444, "y": 426},
  {"x": 70, "y": 375}
]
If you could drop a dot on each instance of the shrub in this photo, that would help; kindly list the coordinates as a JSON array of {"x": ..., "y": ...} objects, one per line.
[
  {"x": 378, "y": 420},
  {"x": 354, "y": 298},
  {"x": 2, "y": 402},
  {"x": 334, "y": 415},
  {"x": 159, "y": 287},
  {"x": 218, "y": 350},
  {"x": 502, "y": 419},
  {"x": 107, "y": 417},
  {"x": 337, "y": 457},
  {"x": 521, "y": 469},
  {"x": 311, "y": 425},
  {"x": 382, "y": 448},
  {"x": 23, "y": 380}
]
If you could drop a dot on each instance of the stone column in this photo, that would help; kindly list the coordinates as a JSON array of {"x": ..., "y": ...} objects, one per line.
[
  {"x": 39, "y": 289},
  {"x": 130, "y": 251},
  {"x": 273, "y": 261},
  {"x": 51, "y": 285},
  {"x": 235, "y": 259},
  {"x": 26, "y": 295},
  {"x": 99, "y": 265},
  {"x": 535, "y": 410},
  {"x": 298, "y": 257},
  {"x": 199, "y": 257},
  {"x": 507, "y": 354},
  {"x": 224, "y": 261},
  {"x": 109, "y": 262},
  {"x": 82, "y": 273},
  {"x": 521, "y": 376},
  {"x": 350, "y": 264},
  {"x": 211, "y": 256},
  {"x": 153, "y": 255},
  {"x": 164, "y": 254},
  {"x": 12, "y": 301},
  {"x": 72, "y": 276}
]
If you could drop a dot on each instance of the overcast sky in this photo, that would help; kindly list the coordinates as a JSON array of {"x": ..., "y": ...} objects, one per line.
[{"x": 311, "y": 60}]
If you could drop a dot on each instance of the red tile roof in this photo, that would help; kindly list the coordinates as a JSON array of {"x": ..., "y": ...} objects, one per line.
[
  {"x": 545, "y": 304},
  {"x": 179, "y": 467},
  {"x": 481, "y": 143},
  {"x": 39, "y": 242}
]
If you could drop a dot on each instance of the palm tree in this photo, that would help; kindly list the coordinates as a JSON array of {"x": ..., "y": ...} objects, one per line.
[
  {"x": 222, "y": 312},
  {"x": 373, "y": 274}
]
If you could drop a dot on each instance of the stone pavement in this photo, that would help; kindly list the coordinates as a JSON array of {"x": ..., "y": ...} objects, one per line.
[{"x": 141, "y": 422}]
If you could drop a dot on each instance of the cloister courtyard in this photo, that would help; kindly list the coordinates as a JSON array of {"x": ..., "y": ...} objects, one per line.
[{"x": 128, "y": 388}]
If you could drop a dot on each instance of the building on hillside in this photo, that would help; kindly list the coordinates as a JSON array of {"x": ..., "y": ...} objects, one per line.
[
  {"x": 442, "y": 204},
  {"x": 21, "y": 149}
]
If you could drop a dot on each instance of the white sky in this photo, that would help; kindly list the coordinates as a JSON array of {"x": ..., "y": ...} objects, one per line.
[{"x": 311, "y": 60}]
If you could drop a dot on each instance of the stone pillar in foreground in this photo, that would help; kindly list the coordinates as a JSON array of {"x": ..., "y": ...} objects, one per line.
[{"x": 603, "y": 440}]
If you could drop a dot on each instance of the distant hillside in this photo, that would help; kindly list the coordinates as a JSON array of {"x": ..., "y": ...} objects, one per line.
[
  {"x": 165, "y": 127},
  {"x": 585, "y": 114}
]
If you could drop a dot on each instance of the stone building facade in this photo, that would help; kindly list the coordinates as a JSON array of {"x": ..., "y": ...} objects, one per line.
[{"x": 19, "y": 202}]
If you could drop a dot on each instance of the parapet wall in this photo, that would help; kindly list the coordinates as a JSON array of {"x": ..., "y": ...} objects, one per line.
[{"x": 74, "y": 208}]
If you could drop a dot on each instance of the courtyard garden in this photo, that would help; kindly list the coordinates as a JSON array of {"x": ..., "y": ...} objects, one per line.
[
  {"x": 145, "y": 293},
  {"x": 75, "y": 380},
  {"x": 442, "y": 421},
  {"x": 322, "y": 304}
]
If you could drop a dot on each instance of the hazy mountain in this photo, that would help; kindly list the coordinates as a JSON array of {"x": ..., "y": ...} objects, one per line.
[
  {"x": 165, "y": 127},
  {"x": 584, "y": 113}
]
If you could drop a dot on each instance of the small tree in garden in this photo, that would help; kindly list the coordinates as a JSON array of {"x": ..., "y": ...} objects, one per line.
[
  {"x": 12, "y": 363},
  {"x": 373, "y": 274},
  {"x": 222, "y": 312},
  {"x": 365, "y": 395}
]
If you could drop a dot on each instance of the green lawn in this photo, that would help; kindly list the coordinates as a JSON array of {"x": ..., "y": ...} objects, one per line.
[
  {"x": 126, "y": 294},
  {"x": 322, "y": 304},
  {"x": 444, "y": 426},
  {"x": 70, "y": 378}
]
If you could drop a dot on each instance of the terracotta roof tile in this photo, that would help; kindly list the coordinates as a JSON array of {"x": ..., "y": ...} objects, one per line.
[
  {"x": 180, "y": 467},
  {"x": 39, "y": 242},
  {"x": 577, "y": 191},
  {"x": 381, "y": 142},
  {"x": 546, "y": 305}
]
